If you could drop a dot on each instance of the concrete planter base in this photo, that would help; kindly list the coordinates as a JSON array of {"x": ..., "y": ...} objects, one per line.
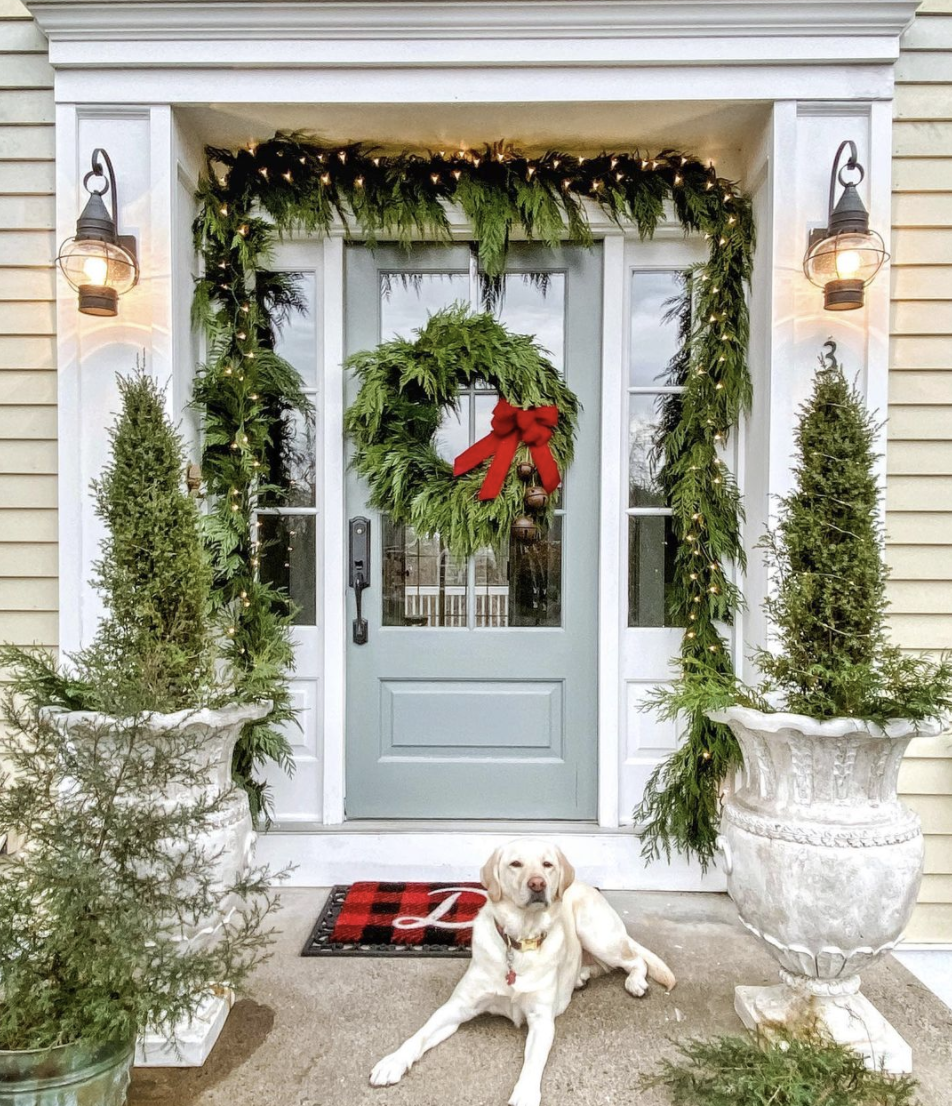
[{"x": 851, "y": 1020}]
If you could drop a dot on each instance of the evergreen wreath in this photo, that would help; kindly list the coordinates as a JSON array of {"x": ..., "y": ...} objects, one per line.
[
  {"x": 249, "y": 196},
  {"x": 405, "y": 389}
]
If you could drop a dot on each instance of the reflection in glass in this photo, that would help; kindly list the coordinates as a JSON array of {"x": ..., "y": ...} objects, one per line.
[
  {"x": 291, "y": 459},
  {"x": 535, "y": 579},
  {"x": 534, "y": 303},
  {"x": 287, "y": 553},
  {"x": 408, "y": 299},
  {"x": 296, "y": 341},
  {"x": 651, "y": 552},
  {"x": 653, "y": 340},
  {"x": 422, "y": 584},
  {"x": 643, "y": 487}
]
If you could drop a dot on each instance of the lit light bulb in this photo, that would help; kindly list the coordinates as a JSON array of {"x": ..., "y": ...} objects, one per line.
[
  {"x": 847, "y": 263},
  {"x": 96, "y": 269}
]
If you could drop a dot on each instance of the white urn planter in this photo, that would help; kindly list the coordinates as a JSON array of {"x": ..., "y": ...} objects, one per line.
[
  {"x": 823, "y": 862},
  {"x": 229, "y": 839}
]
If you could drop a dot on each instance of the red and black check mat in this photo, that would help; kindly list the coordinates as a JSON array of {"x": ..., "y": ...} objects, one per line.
[{"x": 397, "y": 919}]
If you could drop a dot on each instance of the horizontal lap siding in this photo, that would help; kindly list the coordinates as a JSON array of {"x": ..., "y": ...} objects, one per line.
[
  {"x": 28, "y": 454},
  {"x": 919, "y": 457}
]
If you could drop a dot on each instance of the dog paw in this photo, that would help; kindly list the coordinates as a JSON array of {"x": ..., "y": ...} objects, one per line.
[
  {"x": 391, "y": 1069},
  {"x": 636, "y": 985},
  {"x": 526, "y": 1096}
]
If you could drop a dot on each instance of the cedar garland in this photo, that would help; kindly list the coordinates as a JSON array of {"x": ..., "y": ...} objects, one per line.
[{"x": 244, "y": 390}]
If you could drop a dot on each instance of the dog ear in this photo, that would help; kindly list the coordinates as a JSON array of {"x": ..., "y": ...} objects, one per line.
[
  {"x": 489, "y": 877},
  {"x": 567, "y": 876}
]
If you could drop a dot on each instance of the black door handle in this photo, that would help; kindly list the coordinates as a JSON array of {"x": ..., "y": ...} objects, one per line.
[
  {"x": 360, "y": 623},
  {"x": 359, "y": 574}
]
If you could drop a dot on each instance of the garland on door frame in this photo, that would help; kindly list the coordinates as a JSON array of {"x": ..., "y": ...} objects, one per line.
[
  {"x": 405, "y": 388},
  {"x": 244, "y": 392}
]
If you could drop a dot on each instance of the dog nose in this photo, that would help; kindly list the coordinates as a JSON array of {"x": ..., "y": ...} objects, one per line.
[{"x": 536, "y": 883}]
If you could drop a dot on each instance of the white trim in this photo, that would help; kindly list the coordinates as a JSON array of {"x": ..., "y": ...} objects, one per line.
[
  {"x": 606, "y": 858},
  {"x": 874, "y": 23},
  {"x": 334, "y": 531},
  {"x": 610, "y": 600}
]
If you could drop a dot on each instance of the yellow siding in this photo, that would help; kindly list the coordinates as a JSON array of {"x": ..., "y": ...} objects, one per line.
[
  {"x": 28, "y": 551},
  {"x": 919, "y": 458}
]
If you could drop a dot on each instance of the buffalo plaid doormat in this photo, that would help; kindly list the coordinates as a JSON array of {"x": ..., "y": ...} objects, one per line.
[{"x": 397, "y": 919}]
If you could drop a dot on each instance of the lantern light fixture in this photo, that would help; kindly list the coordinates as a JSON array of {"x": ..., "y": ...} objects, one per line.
[
  {"x": 99, "y": 263},
  {"x": 845, "y": 256}
]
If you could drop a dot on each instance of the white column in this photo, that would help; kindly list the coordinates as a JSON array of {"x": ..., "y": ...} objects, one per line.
[
  {"x": 91, "y": 351},
  {"x": 790, "y": 182}
]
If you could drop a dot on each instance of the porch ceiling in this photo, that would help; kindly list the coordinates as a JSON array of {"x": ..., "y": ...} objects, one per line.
[{"x": 707, "y": 128}]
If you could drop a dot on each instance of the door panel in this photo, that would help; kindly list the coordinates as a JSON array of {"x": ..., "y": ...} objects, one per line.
[{"x": 475, "y": 695}]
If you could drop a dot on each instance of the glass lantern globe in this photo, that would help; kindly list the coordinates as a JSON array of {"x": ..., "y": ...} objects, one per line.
[
  {"x": 845, "y": 256},
  {"x": 98, "y": 262},
  {"x": 99, "y": 271},
  {"x": 843, "y": 265}
]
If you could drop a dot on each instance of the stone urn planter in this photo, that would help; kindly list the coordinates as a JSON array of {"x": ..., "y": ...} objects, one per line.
[
  {"x": 78, "y": 1074},
  {"x": 823, "y": 862},
  {"x": 229, "y": 840}
]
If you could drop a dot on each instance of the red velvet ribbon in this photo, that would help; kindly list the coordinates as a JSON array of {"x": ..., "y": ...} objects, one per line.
[{"x": 510, "y": 426}]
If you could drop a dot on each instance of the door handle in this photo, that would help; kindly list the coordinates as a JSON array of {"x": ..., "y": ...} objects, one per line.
[{"x": 359, "y": 572}]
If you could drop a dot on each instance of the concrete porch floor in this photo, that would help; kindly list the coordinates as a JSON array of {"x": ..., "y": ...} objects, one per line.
[{"x": 311, "y": 1028}]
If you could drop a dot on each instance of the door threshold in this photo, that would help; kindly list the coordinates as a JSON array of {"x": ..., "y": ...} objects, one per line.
[
  {"x": 453, "y": 852},
  {"x": 449, "y": 825}
]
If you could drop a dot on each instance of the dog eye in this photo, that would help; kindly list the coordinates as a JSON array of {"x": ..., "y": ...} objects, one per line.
[
  {"x": 515, "y": 864},
  {"x": 546, "y": 863}
]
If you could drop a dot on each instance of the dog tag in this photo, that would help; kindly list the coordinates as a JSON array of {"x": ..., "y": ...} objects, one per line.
[{"x": 510, "y": 973}]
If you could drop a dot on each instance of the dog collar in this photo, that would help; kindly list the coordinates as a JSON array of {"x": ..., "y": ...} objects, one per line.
[{"x": 524, "y": 944}]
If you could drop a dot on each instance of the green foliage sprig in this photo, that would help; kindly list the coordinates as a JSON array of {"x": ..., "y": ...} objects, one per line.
[
  {"x": 828, "y": 609},
  {"x": 244, "y": 391},
  {"x": 786, "y": 1071},
  {"x": 153, "y": 575},
  {"x": 405, "y": 388},
  {"x": 92, "y": 912}
]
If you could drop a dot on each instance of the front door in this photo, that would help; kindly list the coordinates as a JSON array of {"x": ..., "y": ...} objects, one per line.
[{"x": 474, "y": 695}]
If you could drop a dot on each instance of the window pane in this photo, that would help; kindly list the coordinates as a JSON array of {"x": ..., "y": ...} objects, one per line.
[
  {"x": 522, "y": 585},
  {"x": 287, "y": 554},
  {"x": 296, "y": 341},
  {"x": 422, "y": 584},
  {"x": 643, "y": 487},
  {"x": 291, "y": 461},
  {"x": 651, "y": 552},
  {"x": 452, "y": 437},
  {"x": 534, "y": 303},
  {"x": 408, "y": 299},
  {"x": 653, "y": 341}
]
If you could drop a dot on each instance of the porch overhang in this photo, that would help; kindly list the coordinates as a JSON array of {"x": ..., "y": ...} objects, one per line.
[{"x": 463, "y": 34}]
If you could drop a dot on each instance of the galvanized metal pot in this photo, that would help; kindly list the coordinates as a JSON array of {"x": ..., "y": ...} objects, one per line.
[{"x": 78, "y": 1074}]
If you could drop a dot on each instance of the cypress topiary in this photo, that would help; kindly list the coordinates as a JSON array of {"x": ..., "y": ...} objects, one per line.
[
  {"x": 153, "y": 573},
  {"x": 829, "y": 603}
]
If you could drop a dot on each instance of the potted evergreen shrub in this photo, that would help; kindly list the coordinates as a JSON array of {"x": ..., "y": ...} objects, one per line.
[
  {"x": 93, "y": 909},
  {"x": 157, "y": 636},
  {"x": 822, "y": 859}
]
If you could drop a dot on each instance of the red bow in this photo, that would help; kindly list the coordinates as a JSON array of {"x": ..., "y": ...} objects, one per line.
[{"x": 512, "y": 425}]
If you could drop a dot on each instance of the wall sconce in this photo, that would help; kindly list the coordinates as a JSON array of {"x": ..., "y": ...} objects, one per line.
[
  {"x": 99, "y": 262},
  {"x": 845, "y": 256}
]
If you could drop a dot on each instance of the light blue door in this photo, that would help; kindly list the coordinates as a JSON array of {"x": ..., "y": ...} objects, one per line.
[{"x": 475, "y": 693}]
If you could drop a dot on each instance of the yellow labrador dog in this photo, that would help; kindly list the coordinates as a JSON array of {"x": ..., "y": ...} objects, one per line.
[{"x": 540, "y": 935}]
